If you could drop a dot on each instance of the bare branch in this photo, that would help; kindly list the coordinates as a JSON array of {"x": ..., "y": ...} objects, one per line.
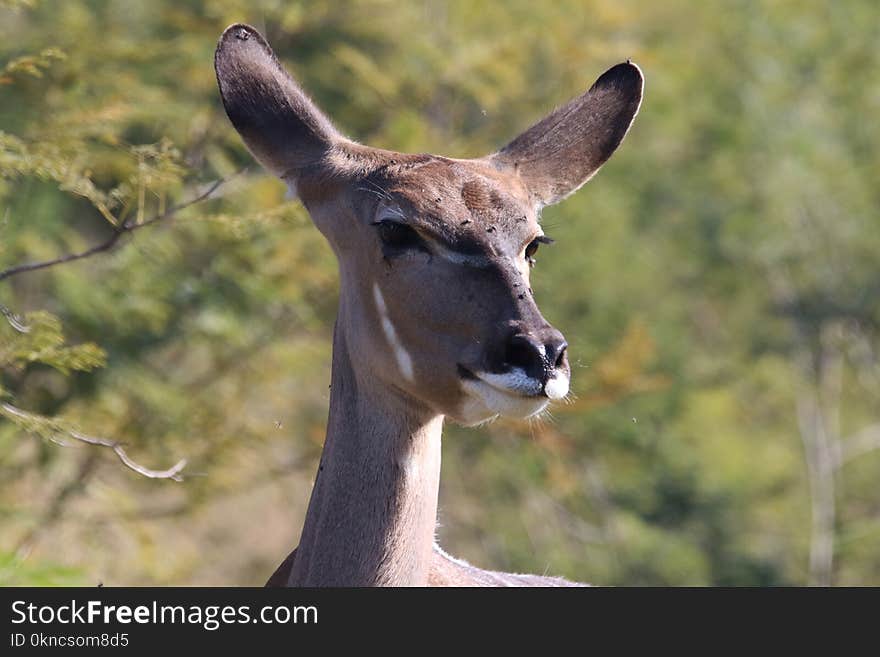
[
  {"x": 171, "y": 473},
  {"x": 862, "y": 442},
  {"x": 820, "y": 470},
  {"x": 55, "y": 509},
  {"x": 14, "y": 320},
  {"x": 120, "y": 230}
]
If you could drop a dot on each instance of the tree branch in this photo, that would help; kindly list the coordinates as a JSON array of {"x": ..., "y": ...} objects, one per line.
[
  {"x": 54, "y": 510},
  {"x": 120, "y": 230},
  {"x": 862, "y": 442},
  {"x": 171, "y": 473},
  {"x": 14, "y": 320}
]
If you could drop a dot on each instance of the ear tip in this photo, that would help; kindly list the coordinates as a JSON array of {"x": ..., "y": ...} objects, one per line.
[
  {"x": 240, "y": 31},
  {"x": 634, "y": 69},
  {"x": 237, "y": 39},
  {"x": 626, "y": 76}
]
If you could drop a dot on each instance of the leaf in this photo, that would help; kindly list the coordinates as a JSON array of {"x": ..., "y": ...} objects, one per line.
[
  {"x": 44, "y": 343},
  {"x": 32, "y": 65}
]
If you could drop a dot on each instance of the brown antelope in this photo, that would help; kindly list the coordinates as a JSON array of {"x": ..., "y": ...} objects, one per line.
[{"x": 436, "y": 316}]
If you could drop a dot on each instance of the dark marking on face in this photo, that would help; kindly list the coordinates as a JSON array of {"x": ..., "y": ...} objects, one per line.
[
  {"x": 468, "y": 208},
  {"x": 476, "y": 196}
]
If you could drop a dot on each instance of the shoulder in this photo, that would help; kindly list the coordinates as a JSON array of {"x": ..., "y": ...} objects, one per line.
[{"x": 447, "y": 570}]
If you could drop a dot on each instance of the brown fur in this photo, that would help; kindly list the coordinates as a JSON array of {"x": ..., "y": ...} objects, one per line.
[
  {"x": 446, "y": 571},
  {"x": 417, "y": 322}
]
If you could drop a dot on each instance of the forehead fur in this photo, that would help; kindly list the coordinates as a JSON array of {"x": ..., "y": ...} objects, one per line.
[{"x": 467, "y": 201}]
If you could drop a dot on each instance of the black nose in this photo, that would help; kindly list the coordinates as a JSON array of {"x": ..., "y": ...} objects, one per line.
[{"x": 538, "y": 354}]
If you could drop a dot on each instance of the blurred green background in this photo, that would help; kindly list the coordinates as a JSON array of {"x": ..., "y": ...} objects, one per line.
[{"x": 718, "y": 282}]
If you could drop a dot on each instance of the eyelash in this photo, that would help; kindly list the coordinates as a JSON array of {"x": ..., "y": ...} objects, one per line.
[{"x": 532, "y": 248}]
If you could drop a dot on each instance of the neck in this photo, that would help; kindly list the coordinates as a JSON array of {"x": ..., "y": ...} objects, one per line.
[{"x": 373, "y": 510}]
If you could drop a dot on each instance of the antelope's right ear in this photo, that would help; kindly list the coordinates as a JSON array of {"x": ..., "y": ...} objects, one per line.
[{"x": 279, "y": 124}]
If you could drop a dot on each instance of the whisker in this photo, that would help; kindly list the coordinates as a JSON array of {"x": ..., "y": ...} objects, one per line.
[
  {"x": 382, "y": 191},
  {"x": 371, "y": 191}
]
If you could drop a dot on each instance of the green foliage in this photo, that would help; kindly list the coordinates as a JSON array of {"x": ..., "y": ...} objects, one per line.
[
  {"x": 32, "y": 65},
  {"x": 717, "y": 283},
  {"x": 38, "y": 339},
  {"x": 15, "y": 571}
]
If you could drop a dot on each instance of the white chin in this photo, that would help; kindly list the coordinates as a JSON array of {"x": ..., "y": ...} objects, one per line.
[{"x": 486, "y": 402}]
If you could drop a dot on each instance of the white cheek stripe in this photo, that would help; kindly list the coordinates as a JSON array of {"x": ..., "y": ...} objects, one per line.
[
  {"x": 404, "y": 361},
  {"x": 292, "y": 192}
]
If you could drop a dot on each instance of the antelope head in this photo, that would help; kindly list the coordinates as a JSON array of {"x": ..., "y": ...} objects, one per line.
[{"x": 434, "y": 253}]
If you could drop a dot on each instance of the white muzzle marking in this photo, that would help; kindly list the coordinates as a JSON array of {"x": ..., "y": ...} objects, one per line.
[
  {"x": 512, "y": 394},
  {"x": 557, "y": 386}
]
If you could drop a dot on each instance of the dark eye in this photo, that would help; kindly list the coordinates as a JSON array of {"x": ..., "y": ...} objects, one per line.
[
  {"x": 532, "y": 248},
  {"x": 398, "y": 236}
]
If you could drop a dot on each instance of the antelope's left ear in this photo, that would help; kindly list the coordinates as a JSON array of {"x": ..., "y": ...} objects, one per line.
[{"x": 562, "y": 151}]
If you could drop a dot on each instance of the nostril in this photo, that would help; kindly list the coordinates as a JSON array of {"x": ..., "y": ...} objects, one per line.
[
  {"x": 560, "y": 355},
  {"x": 521, "y": 352},
  {"x": 537, "y": 354}
]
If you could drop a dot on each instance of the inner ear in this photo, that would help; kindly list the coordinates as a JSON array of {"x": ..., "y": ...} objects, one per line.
[
  {"x": 280, "y": 125},
  {"x": 567, "y": 147}
]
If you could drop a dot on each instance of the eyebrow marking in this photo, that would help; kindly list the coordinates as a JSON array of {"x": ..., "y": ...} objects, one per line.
[
  {"x": 457, "y": 258},
  {"x": 437, "y": 246}
]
